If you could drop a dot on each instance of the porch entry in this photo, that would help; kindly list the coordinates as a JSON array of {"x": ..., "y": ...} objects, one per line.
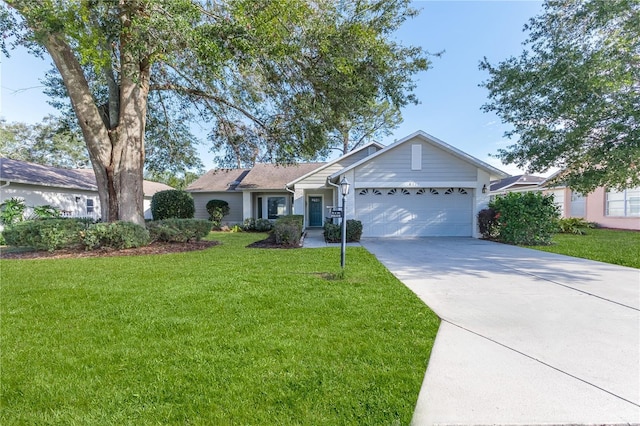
[{"x": 315, "y": 211}]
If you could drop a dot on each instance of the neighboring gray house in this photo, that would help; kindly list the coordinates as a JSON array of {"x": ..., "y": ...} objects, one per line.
[
  {"x": 418, "y": 186},
  {"x": 519, "y": 183},
  {"x": 74, "y": 192}
]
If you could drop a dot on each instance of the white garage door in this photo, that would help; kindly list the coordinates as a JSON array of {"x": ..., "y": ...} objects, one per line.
[{"x": 415, "y": 212}]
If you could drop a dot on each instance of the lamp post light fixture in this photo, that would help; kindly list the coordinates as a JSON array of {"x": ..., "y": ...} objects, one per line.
[{"x": 344, "y": 189}]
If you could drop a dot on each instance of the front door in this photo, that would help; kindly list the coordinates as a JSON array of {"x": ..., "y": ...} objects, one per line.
[{"x": 315, "y": 211}]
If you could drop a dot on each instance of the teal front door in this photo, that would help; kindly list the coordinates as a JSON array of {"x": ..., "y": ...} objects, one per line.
[{"x": 315, "y": 211}]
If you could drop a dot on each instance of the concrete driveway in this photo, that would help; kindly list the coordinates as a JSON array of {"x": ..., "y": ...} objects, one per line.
[{"x": 527, "y": 337}]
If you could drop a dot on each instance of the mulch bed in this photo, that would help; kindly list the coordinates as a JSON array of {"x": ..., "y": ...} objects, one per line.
[{"x": 153, "y": 248}]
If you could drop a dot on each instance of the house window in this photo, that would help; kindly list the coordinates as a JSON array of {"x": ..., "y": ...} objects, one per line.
[
  {"x": 623, "y": 203},
  {"x": 259, "y": 207},
  {"x": 276, "y": 206},
  {"x": 89, "y": 205}
]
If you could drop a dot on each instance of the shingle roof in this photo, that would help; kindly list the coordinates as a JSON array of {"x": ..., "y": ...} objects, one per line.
[
  {"x": 519, "y": 180},
  {"x": 263, "y": 176},
  {"x": 273, "y": 176},
  {"x": 218, "y": 180},
  {"x": 37, "y": 174}
]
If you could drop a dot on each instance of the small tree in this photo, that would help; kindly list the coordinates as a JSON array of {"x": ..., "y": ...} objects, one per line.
[
  {"x": 172, "y": 203},
  {"x": 525, "y": 218},
  {"x": 217, "y": 209}
]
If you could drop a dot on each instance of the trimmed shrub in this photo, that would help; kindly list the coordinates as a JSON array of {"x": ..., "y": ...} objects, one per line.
[
  {"x": 333, "y": 232},
  {"x": 527, "y": 218},
  {"x": 217, "y": 209},
  {"x": 574, "y": 225},
  {"x": 257, "y": 225},
  {"x": 354, "y": 230},
  {"x": 288, "y": 230},
  {"x": 117, "y": 235},
  {"x": 287, "y": 233},
  {"x": 172, "y": 203},
  {"x": 51, "y": 234},
  {"x": 178, "y": 230},
  {"x": 487, "y": 223}
]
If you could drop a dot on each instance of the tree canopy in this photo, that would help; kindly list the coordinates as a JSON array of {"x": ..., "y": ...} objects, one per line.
[
  {"x": 51, "y": 143},
  {"x": 573, "y": 96},
  {"x": 272, "y": 77}
]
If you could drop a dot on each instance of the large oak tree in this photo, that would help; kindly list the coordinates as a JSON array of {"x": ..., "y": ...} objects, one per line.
[
  {"x": 268, "y": 71},
  {"x": 573, "y": 96}
]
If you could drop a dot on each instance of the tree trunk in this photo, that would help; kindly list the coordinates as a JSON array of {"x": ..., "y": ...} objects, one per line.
[{"x": 117, "y": 154}]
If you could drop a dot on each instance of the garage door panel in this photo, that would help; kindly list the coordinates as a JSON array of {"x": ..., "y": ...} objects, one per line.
[{"x": 423, "y": 213}]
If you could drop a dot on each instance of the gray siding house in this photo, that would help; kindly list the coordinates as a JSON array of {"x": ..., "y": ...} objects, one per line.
[{"x": 418, "y": 186}]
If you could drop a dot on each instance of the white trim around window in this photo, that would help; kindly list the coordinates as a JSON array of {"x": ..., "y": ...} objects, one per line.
[{"x": 625, "y": 203}]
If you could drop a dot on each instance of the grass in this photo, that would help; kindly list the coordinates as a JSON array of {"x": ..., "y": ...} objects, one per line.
[
  {"x": 604, "y": 245},
  {"x": 228, "y": 335}
]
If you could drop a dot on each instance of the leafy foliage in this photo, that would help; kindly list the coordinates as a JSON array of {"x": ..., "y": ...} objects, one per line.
[
  {"x": 178, "y": 230},
  {"x": 116, "y": 235},
  {"x": 172, "y": 203},
  {"x": 217, "y": 209},
  {"x": 488, "y": 223},
  {"x": 52, "y": 234},
  {"x": 573, "y": 225},
  {"x": 527, "y": 218},
  {"x": 288, "y": 230},
  {"x": 333, "y": 232},
  {"x": 51, "y": 143},
  {"x": 46, "y": 212},
  {"x": 572, "y": 97},
  {"x": 12, "y": 211},
  {"x": 257, "y": 225}
]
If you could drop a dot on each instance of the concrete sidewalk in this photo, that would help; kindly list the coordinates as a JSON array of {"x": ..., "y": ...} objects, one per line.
[{"x": 527, "y": 337}]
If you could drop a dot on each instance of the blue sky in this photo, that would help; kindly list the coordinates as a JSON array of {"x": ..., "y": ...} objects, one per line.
[{"x": 449, "y": 93}]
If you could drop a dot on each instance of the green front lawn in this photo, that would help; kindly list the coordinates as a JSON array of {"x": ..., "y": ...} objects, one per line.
[
  {"x": 605, "y": 245},
  {"x": 228, "y": 335}
]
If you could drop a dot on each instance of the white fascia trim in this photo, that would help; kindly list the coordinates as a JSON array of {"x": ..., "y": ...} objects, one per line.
[{"x": 412, "y": 184}]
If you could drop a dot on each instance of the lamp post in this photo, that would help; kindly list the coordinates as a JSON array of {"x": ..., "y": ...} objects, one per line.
[{"x": 344, "y": 189}]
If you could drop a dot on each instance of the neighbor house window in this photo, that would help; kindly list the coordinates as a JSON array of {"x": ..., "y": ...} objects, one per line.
[
  {"x": 89, "y": 205},
  {"x": 276, "y": 206},
  {"x": 623, "y": 203}
]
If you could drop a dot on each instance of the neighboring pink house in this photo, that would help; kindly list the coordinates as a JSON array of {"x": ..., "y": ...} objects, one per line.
[{"x": 607, "y": 208}]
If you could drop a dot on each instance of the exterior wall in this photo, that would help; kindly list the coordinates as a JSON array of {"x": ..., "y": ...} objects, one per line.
[
  {"x": 596, "y": 212},
  {"x": 234, "y": 199},
  {"x": 394, "y": 168},
  {"x": 72, "y": 203}
]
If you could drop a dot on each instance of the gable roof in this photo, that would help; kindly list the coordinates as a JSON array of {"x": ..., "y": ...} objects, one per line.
[
  {"x": 519, "y": 180},
  {"x": 36, "y": 174},
  {"x": 435, "y": 142},
  {"x": 342, "y": 157},
  {"x": 263, "y": 176},
  {"x": 272, "y": 176},
  {"x": 218, "y": 180}
]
